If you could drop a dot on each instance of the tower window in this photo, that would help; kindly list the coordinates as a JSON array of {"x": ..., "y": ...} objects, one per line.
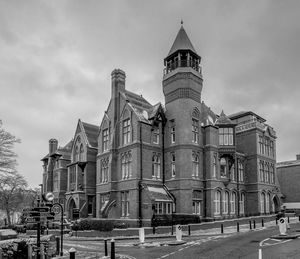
[
  {"x": 195, "y": 130},
  {"x": 126, "y": 131},
  {"x": 156, "y": 166},
  {"x": 105, "y": 138},
  {"x": 195, "y": 161},
  {"x": 226, "y": 136},
  {"x": 173, "y": 169},
  {"x": 156, "y": 136}
]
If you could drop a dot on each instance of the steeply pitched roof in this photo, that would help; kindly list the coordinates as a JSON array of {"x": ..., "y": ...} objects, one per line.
[
  {"x": 224, "y": 120},
  {"x": 182, "y": 42},
  {"x": 91, "y": 132}
]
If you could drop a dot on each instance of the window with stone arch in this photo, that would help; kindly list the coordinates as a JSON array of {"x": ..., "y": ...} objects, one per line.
[
  {"x": 156, "y": 166},
  {"x": 76, "y": 150},
  {"x": 226, "y": 202},
  {"x": 195, "y": 164},
  {"x": 195, "y": 125},
  {"x": 268, "y": 197},
  {"x": 126, "y": 128},
  {"x": 262, "y": 203},
  {"x": 126, "y": 165},
  {"x": 242, "y": 203},
  {"x": 232, "y": 202},
  {"x": 217, "y": 202},
  {"x": 81, "y": 155}
]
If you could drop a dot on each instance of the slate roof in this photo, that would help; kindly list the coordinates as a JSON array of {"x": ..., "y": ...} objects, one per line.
[
  {"x": 182, "y": 42},
  {"x": 224, "y": 120},
  {"x": 91, "y": 131},
  {"x": 288, "y": 163}
]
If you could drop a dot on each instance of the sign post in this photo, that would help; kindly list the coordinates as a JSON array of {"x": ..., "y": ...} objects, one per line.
[
  {"x": 178, "y": 233},
  {"x": 282, "y": 223}
]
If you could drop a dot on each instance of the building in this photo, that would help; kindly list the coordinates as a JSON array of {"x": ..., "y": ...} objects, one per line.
[
  {"x": 288, "y": 173},
  {"x": 177, "y": 157}
]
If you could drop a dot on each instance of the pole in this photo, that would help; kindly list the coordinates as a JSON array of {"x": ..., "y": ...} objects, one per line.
[
  {"x": 105, "y": 247},
  {"x": 61, "y": 230},
  {"x": 112, "y": 250},
  {"x": 38, "y": 234}
]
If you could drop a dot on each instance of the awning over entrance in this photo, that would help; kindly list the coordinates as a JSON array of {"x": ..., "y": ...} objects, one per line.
[{"x": 159, "y": 193}]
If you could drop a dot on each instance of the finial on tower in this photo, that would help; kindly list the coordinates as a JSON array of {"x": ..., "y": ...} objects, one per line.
[{"x": 181, "y": 22}]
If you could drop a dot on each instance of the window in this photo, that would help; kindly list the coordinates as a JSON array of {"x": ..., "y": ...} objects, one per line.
[
  {"x": 156, "y": 136},
  {"x": 261, "y": 170},
  {"x": 232, "y": 202},
  {"x": 105, "y": 139},
  {"x": 272, "y": 176},
  {"x": 173, "y": 169},
  {"x": 267, "y": 146},
  {"x": 125, "y": 204},
  {"x": 225, "y": 202},
  {"x": 217, "y": 202},
  {"x": 261, "y": 144},
  {"x": 156, "y": 166},
  {"x": 232, "y": 172},
  {"x": 90, "y": 204},
  {"x": 195, "y": 130},
  {"x": 163, "y": 208},
  {"x": 242, "y": 203},
  {"x": 104, "y": 170},
  {"x": 197, "y": 207},
  {"x": 226, "y": 136},
  {"x": 268, "y": 203},
  {"x": 241, "y": 171},
  {"x": 262, "y": 203},
  {"x": 81, "y": 155},
  {"x": 272, "y": 151},
  {"x": 126, "y": 164},
  {"x": 126, "y": 131},
  {"x": 267, "y": 172},
  {"x": 195, "y": 161},
  {"x": 214, "y": 166},
  {"x": 223, "y": 167},
  {"x": 172, "y": 130}
]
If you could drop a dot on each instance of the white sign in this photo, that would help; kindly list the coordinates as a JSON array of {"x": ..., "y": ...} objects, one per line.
[
  {"x": 282, "y": 224},
  {"x": 178, "y": 232},
  {"x": 142, "y": 235}
]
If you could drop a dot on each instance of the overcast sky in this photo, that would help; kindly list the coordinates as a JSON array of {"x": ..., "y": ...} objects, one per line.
[{"x": 56, "y": 58}]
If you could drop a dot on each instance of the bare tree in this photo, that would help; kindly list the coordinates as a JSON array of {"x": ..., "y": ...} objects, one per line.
[
  {"x": 7, "y": 155},
  {"x": 12, "y": 188}
]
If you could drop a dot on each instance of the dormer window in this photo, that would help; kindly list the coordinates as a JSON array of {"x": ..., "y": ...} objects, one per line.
[{"x": 225, "y": 136}]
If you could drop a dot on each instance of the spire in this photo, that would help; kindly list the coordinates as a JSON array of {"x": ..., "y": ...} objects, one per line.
[
  {"x": 182, "y": 42},
  {"x": 224, "y": 120}
]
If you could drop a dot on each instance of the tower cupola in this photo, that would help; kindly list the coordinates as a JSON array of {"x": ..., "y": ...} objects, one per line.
[
  {"x": 182, "y": 71},
  {"x": 182, "y": 54}
]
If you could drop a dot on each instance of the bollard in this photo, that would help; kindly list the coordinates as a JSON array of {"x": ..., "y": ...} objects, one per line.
[
  {"x": 72, "y": 253},
  {"x": 105, "y": 247},
  {"x": 250, "y": 225},
  {"x": 189, "y": 230},
  {"x": 153, "y": 230},
  {"x": 112, "y": 250},
  {"x": 288, "y": 219},
  {"x": 276, "y": 221},
  {"x": 299, "y": 217},
  {"x": 142, "y": 235},
  {"x": 222, "y": 229},
  {"x": 178, "y": 233},
  {"x": 57, "y": 245},
  {"x": 237, "y": 227},
  {"x": 172, "y": 231},
  {"x": 262, "y": 223},
  {"x": 254, "y": 224}
]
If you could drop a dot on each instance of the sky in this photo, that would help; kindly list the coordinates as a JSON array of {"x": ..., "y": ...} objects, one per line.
[{"x": 56, "y": 58}]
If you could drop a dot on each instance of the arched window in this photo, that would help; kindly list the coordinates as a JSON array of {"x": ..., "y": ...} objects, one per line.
[
  {"x": 223, "y": 167},
  {"x": 242, "y": 203},
  {"x": 81, "y": 156},
  {"x": 173, "y": 168},
  {"x": 268, "y": 203},
  {"x": 156, "y": 166},
  {"x": 241, "y": 171},
  {"x": 262, "y": 203},
  {"x": 225, "y": 202},
  {"x": 217, "y": 202},
  {"x": 195, "y": 161},
  {"x": 232, "y": 202},
  {"x": 214, "y": 174}
]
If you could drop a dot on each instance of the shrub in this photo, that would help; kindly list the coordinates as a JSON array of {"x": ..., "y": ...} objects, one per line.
[{"x": 97, "y": 224}]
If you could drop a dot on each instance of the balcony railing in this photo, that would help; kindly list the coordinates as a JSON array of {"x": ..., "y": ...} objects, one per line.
[{"x": 183, "y": 63}]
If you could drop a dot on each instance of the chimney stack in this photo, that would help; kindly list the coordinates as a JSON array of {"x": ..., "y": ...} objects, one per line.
[
  {"x": 53, "y": 144},
  {"x": 117, "y": 82}
]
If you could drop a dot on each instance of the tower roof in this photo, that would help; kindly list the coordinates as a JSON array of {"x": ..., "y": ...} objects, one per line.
[
  {"x": 224, "y": 120},
  {"x": 182, "y": 42}
]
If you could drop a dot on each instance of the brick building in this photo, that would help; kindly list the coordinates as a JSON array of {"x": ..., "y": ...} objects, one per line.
[
  {"x": 179, "y": 157},
  {"x": 288, "y": 173}
]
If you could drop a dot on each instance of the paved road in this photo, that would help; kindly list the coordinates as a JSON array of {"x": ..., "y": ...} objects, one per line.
[{"x": 229, "y": 245}]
